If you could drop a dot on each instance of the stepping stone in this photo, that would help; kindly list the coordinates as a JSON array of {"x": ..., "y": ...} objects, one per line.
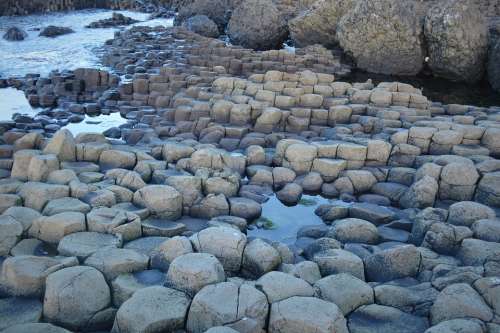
[{"x": 160, "y": 227}]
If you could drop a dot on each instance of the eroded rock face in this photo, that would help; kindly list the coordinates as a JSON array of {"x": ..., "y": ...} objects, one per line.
[
  {"x": 318, "y": 25},
  {"x": 257, "y": 24},
  {"x": 383, "y": 36},
  {"x": 456, "y": 35}
]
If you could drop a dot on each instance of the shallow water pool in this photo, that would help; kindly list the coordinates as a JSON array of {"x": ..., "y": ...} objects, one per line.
[
  {"x": 283, "y": 221},
  {"x": 14, "y": 101},
  {"x": 41, "y": 54}
]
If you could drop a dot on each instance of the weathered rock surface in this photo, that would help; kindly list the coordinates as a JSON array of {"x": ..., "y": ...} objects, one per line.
[{"x": 368, "y": 34}]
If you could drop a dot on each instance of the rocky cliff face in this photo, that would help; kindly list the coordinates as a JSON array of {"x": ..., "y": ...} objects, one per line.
[{"x": 24, "y": 7}]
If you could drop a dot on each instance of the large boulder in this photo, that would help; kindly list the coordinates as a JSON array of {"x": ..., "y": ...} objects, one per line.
[
  {"x": 456, "y": 34},
  {"x": 257, "y": 24},
  {"x": 75, "y": 296},
  {"x": 384, "y": 36},
  {"x": 152, "y": 309},
  {"x": 306, "y": 315},
  {"x": 214, "y": 10},
  {"x": 202, "y": 25},
  {"x": 318, "y": 25}
]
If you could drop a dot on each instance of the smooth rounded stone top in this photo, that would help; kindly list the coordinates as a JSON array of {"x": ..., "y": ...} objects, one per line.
[
  {"x": 35, "y": 328},
  {"x": 306, "y": 315},
  {"x": 162, "y": 227},
  {"x": 227, "y": 303},
  {"x": 191, "y": 272},
  {"x": 25, "y": 275},
  {"x": 83, "y": 244},
  {"x": 334, "y": 261},
  {"x": 245, "y": 208},
  {"x": 279, "y": 286},
  {"x": 227, "y": 244},
  {"x": 345, "y": 290},
  {"x": 465, "y": 213},
  {"x": 125, "y": 285},
  {"x": 14, "y": 311},
  {"x": 162, "y": 200},
  {"x": 459, "y": 300},
  {"x": 376, "y": 318},
  {"x": 353, "y": 230},
  {"x": 113, "y": 262},
  {"x": 155, "y": 308},
  {"x": 74, "y": 297},
  {"x": 239, "y": 222},
  {"x": 68, "y": 204},
  {"x": 221, "y": 329}
]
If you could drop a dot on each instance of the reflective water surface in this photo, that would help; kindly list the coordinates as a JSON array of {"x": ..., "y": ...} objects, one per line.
[{"x": 41, "y": 54}]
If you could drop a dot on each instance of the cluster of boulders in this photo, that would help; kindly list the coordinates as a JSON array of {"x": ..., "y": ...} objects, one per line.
[
  {"x": 148, "y": 227},
  {"x": 399, "y": 38},
  {"x": 116, "y": 19}
]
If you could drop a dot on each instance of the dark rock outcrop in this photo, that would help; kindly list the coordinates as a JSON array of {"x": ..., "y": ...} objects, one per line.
[
  {"x": 53, "y": 31},
  {"x": 15, "y": 34}
]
